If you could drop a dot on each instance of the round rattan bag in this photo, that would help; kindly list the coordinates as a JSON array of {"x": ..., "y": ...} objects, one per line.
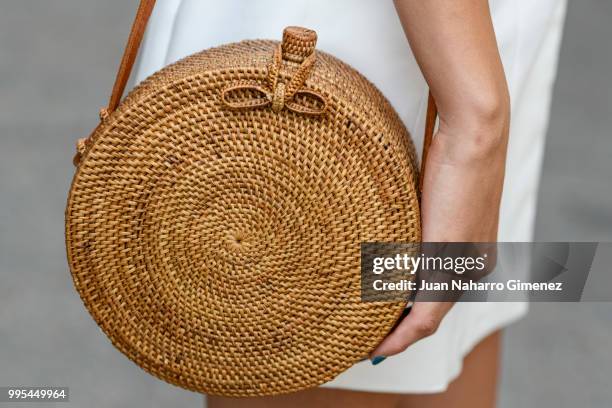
[{"x": 214, "y": 223}]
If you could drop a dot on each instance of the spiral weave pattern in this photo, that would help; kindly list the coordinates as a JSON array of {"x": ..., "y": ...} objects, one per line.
[{"x": 219, "y": 248}]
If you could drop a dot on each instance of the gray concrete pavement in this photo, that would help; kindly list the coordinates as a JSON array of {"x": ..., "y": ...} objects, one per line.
[{"x": 57, "y": 60}]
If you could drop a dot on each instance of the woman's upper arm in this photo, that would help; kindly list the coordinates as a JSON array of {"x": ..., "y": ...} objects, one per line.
[{"x": 454, "y": 43}]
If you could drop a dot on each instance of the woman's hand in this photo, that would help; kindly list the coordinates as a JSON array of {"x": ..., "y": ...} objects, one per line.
[{"x": 454, "y": 44}]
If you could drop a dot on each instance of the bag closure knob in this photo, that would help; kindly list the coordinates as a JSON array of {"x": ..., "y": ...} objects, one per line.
[{"x": 298, "y": 43}]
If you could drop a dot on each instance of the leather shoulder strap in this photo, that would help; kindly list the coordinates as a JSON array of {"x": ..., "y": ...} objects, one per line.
[
  {"x": 131, "y": 50},
  {"x": 430, "y": 125},
  {"x": 129, "y": 54}
]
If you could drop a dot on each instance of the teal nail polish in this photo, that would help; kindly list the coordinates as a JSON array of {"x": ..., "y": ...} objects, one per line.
[{"x": 378, "y": 359}]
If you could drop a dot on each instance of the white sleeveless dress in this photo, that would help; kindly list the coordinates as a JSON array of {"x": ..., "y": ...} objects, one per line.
[{"x": 367, "y": 35}]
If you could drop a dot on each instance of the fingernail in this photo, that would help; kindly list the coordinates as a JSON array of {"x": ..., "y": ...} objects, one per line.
[{"x": 378, "y": 359}]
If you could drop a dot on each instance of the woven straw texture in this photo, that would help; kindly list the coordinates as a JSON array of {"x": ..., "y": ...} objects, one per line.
[{"x": 213, "y": 227}]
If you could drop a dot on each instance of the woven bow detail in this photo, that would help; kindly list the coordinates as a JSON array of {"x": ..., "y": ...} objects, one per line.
[{"x": 276, "y": 93}]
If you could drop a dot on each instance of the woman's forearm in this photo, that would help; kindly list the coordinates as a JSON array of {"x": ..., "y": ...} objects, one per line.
[{"x": 455, "y": 46}]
